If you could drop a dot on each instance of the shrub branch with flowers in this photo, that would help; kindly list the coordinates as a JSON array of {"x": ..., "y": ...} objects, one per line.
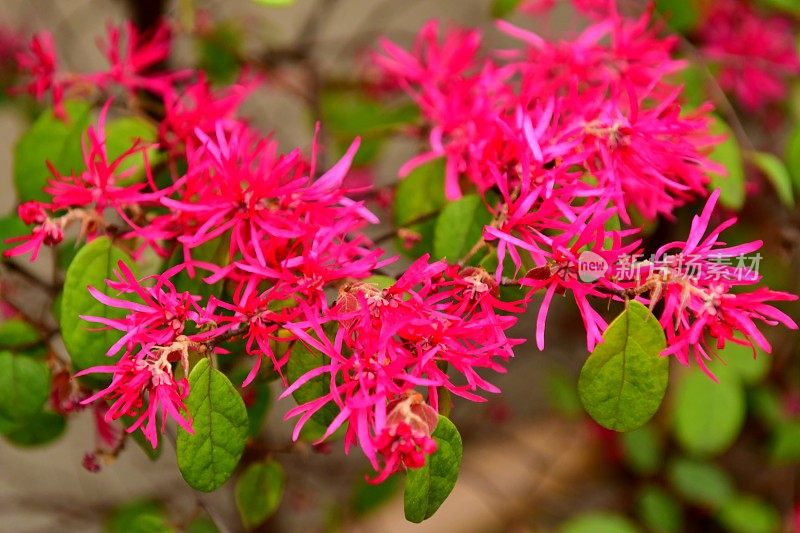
[{"x": 211, "y": 261}]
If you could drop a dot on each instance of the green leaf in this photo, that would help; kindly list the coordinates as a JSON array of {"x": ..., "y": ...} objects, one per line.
[
  {"x": 774, "y": 169},
  {"x": 141, "y": 441},
  {"x": 788, "y": 6},
  {"x": 748, "y": 514},
  {"x": 562, "y": 393},
  {"x": 24, "y": 386},
  {"x": 419, "y": 196},
  {"x": 749, "y": 364},
  {"x": 785, "y": 446},
  {"x": 16, "y": 333},
  {"x": 504, "y": 8},
  {"x": 623, "y": 381},
  {"x": 659, "y": 510},
  {"x": 275, "y": 2},
  {"x": 220, "y": 53},
  {"x": 766, "y": 404},
  {"x": 728, "y": 154},
  {"x": 121, "y": 134},
  {"x": 207, "y": 458},
  {"x": 138, "y": 517},
  {"x": 643, "y": 450},
  {"x": 428, "y": 487},
  {"x": 381, "y": 282},
  {"x": 708, "y": 416},
  {"x": 302, "y": 360},
  {"x": 93, "y": 264},
  {"x": 202, "y": 524},
  {"x": 700, "y": 482},
  {"x": 49, "y": 139},
  {"x": 459, "y": 227},
  {"x": 11, "y": 226},
  {"x": 368, "y": 497},
  {"x": 682, "y": 15},
  {"x": 349, "y": 113},
  {"x": 598, "y": 522},
  {"x": 215, "y": 251},
  {"x": 258, "y": 400},
  {"x": 793, "y": 157},
  {"x": 259, "y": 492},
  {"x": 36, "y": 430}
]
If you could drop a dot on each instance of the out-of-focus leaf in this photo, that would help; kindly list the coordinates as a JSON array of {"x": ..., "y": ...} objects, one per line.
[
  {"x": 259, "y": 492},
  {"x": 708, "y": 416},
  {"x": 24, "y": 386},
  {"x": 793, "y": 157},
  {"x": 700, "y": 482},
  {"x": 36, "y": 430},
  {"x": 138, "y": 517},
  {"x": 562, "y": 393},
  {"x": 49, "y": 139},
  {"x": 751, "y": 365},
  {"x": 659, "y": 510},
  {"x": 275, "y": 3},
  {"x": 598, "y": 522},
  {"x": 11, "y": 226},
  {"x": 728, "y": 154},
  {"x": 748, "y": 514},
  {"x": 16, "y": 333},
  {"x": 682, "y": 15},
  {"x": 368, "y": 497},
  {"x": 786, "y": 442},
  {"x": 503, "y": 8},
  {"x": 220, "y": 53},
  {"x": 643, "y": 450},
  {"x": 774, "y": 169}
]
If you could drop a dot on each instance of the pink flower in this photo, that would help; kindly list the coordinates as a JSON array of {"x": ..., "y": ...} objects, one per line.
[
  {"x": 141, "y": 387},
  {"x": 40, "y": 65},
  {"x": 386, "y": 342},
  {"x": 159, "y": 318},
  {"x": 757, "y": 55},
  {"x": 699, "y": 308},
  {"x": 134, "y": 65}
]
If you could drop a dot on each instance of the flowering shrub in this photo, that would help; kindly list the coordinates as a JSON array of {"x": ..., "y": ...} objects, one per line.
[{"x": 206, "y": 251}]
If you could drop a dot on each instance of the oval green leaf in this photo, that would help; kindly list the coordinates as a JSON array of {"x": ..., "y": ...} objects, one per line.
[
  {"x": 428, "y": 487},
  {"x": 49, "y": 139},
  {"x": 207, "y": 458},
  {"x": 94, "y": 263},
  {"x": 259, "y": 492},
  {"x": 623, "y": 381}
]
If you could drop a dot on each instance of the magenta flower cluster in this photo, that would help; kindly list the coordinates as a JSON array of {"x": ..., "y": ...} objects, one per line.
[{"x": 567, "y": 143}]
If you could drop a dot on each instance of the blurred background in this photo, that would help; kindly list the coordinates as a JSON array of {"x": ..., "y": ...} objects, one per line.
[{"x": 533, "y": 460}]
